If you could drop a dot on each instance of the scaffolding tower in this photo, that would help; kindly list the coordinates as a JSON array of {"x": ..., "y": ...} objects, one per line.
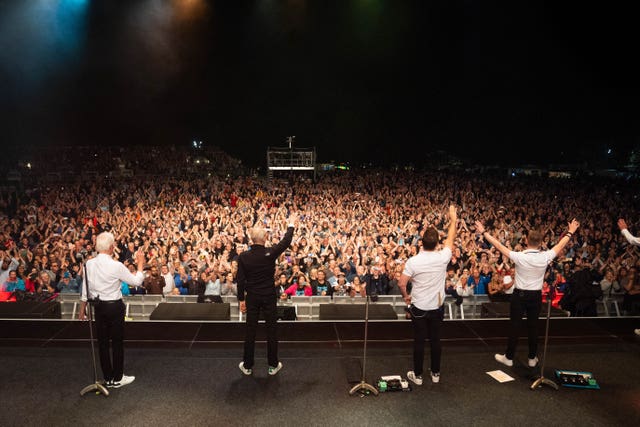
[{"x": 291, "y": 159}]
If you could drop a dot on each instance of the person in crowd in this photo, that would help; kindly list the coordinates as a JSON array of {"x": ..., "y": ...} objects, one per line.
[
  {"x": 212, "y": 288},
  {"x": 320, "y": 286},
  {"x": 104, "y": 277},
  {"x": 256, "y": 292},
  {"x": 182, "y": 280},
  {"x": 229, "y": 286},
  {"x": 450, "y": 283},
  {"x": 476, "y": 282},
  {"x": 154, "y": 282},
  {"x": 9, "y": 264},
  {"x": 427, "y": 272},
  {"x": 13, "y": 283},
  {"x": 68, "y": 285},
  {"x": 530, "y": 266},
  {"x": 300, "y": 287},
  {"x": 582, "y": 291},
  {"x": 169, "y": 284},
  {"x": 462, "y": 288},
  {"x": 359, "y": 289},
  {"x": 44, "y": 284},
  {"x": 281, "y": 286},
  {"x": 198, "y": 285},
  {"x": 377, "y": 282}
]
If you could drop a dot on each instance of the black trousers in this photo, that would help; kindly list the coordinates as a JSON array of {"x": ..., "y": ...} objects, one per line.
[
  {"x": 528, "y": 302},
  {"x": 110, "y": 331},
  {"x": 426, "y": 324},
  {"x": 268, "y": 305}
]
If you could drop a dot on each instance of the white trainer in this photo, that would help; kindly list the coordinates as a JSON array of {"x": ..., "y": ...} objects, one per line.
[
  {"x": 435, "y": 377},
  {"x": 125, "y": 380},
  {"x": 273, "y": 371},
  {"x": 533, "y": 362},
  {"x": 416, "y": 379},
  {"x": 503, "y": 359},
  {"x": 245, "y": 370}
]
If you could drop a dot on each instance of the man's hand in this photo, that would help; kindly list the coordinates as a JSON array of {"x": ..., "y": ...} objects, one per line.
[
  {"x": 407, "y": 300},
  {"x": 479, "y": 227},
  {"x": 243, "y": 307},
  {"x": 622, "y": 224},
  {"x": 573, "y": 225}
]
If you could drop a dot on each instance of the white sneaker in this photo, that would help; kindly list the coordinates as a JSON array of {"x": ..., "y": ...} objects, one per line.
[
  {"x": 503, "y": 359},
  {"x": 245, "y": 370},
  {"x": 533, "y": 362},
  {"x": 273, "y": 371},
  {"x": 637, "y": 331},
  {"x": 125, "y": 380},
  {"x": 435, "y": 377},
  {"x": 416, "y": 379}
]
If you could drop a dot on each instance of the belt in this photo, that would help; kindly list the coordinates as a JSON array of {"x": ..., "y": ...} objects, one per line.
[{"x": 110, "y": 301}]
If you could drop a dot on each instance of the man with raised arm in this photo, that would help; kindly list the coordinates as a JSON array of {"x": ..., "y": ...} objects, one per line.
[
  {"x": 256, "y": 291},
  {"x": 427, "y": 272},
  {"x": 530, "y": 265}
]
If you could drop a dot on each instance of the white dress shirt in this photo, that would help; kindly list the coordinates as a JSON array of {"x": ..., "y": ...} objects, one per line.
[
  {"x": 530, "y": 265},
  {"x": 630, "y": 237},
  {"x": 428, "y": 270},
  {"x": 104, "y": 275}
]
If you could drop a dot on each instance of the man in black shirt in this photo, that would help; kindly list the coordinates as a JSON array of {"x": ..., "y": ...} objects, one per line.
[{"x": 256, "y": 271}]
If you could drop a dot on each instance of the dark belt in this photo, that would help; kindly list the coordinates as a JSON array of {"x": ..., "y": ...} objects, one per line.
[
  {"x": 109, "y": 301},
  {"x": 524, "y": 292}
]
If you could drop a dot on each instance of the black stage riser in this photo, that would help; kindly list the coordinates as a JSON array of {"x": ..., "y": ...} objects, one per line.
[
  {"x": 190, "y": 311},
  {"x": 30, "y": 310}
]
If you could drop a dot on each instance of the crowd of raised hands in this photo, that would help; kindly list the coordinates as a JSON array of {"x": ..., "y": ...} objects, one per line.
[{"x": 348, "y": 221}]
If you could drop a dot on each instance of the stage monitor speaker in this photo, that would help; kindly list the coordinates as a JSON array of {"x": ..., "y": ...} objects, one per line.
[
  {"x": 356, "y": 312},
  {"x": 191, "y": 311},
  {"x": 30, "y": 310}
]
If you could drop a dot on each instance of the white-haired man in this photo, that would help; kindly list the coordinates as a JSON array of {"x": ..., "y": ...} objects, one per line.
[{"x": 104, "y": 276}]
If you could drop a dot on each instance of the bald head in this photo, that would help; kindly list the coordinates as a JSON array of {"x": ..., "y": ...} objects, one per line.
[{"x": 258, "y": 235}]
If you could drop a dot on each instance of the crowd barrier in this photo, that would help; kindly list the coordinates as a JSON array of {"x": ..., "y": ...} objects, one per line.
[{"x": 307, "y": 308}]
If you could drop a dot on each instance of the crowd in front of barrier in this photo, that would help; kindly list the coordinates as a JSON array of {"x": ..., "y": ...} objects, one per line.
[{"x": 357, "y": 229}]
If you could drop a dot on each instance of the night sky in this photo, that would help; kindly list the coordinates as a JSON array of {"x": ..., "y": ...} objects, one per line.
[{"x": 361, "y": 80}]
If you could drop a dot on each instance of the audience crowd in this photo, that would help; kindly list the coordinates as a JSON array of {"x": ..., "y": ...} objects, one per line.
[{"x": 357, "y": 227}]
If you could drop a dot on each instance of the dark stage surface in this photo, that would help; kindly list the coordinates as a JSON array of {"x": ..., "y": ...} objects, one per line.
[{"x": 187, "y": 374}]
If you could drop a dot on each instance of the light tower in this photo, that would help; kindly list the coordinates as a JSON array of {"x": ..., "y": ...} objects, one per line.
[{"x": 290, "y": 158}]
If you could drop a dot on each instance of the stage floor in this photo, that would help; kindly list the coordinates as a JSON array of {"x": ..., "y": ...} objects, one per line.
[{"x": 187, "y": 375}]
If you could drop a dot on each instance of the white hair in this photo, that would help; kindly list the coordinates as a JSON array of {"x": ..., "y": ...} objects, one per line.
[
  {"x": 258, "y": 235},
  {"x": 104, "y": 241}
]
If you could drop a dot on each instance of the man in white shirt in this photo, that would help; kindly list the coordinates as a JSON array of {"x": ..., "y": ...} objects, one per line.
[
  {"x": 530, "y": 265},
  {"x": 169, "y": 283},
  {"x": 622, "y": 224},
  {"x": 427, "y": 272},
  {"x": 103, "y": 277}
]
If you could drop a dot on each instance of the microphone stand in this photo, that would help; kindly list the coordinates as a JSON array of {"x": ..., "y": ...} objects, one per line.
[
  {"x": 542, "y": 380},
  {"x": 363, "y": 385},
  {"x": 97, "y": 386}
]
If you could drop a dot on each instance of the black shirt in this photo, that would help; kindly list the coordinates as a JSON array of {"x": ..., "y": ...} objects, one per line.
[{"x": 257, "y": 267}]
